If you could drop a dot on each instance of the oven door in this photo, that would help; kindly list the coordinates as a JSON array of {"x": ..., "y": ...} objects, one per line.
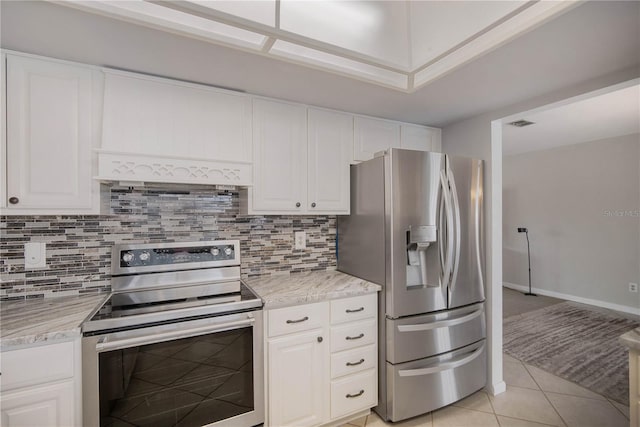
[{"x": 205, "y": 372}]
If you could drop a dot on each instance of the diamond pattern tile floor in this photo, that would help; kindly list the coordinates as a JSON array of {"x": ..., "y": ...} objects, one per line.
[{"x": 534, "y": 398}]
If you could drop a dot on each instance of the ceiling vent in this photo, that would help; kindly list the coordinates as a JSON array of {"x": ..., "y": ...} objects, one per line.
[{"x": 521, "y": 123}]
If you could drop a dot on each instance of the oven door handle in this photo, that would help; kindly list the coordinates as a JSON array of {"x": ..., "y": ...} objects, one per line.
[{"x": 105, "y": 345}]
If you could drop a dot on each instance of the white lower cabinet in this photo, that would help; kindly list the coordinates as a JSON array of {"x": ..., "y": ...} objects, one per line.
[
  {"x": 48, "y": 405},
  {"x": 297, "y": 374},
  {"x": 313, "y": 377},
  {"x": 41, "y": 386},
  {"x": 353, "y": 393}
]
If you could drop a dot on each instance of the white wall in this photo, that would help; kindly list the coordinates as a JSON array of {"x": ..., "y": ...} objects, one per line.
[
  {"x": 570, "y": 199},
  {"x": 473, "y": 137}
]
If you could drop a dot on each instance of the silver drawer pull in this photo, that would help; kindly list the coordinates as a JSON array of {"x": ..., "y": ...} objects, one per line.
[
  {"x": 359, "y": 362},
  {"x": 356, "y": 310},
  {"x": 351, "y": 396},
  {"x": 355, "y": 338},
  {"x": 299, "y": 320}
]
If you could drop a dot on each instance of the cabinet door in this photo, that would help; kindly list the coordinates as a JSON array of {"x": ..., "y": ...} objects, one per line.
[
  {"x": 298, "y": 381},
  {"x": 49, "y": 135},
  {"x": 373, "y": 135},
  {"x": 280, "y": 157},
  {"x": 330, "y": 139},
  {"x": 422, "y": 138},
  {"x": 44, "y": 406}
]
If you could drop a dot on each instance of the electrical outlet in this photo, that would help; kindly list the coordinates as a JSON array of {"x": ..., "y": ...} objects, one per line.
[
  {"x": 300, "y": 240},
  {"x": 35, "y": 255},
  {"x": 633, "y": 287}
]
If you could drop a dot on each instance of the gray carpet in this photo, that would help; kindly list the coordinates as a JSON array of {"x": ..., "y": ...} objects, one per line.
[{"x": 576, "y": 342}]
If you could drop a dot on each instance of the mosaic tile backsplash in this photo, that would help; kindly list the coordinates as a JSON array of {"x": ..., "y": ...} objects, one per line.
[{"x": 79, "y": 247}]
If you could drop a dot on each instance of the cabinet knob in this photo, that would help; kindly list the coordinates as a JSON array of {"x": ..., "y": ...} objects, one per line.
[
  {"x": 13, "y": 200},
  {"x": 313, "y": 205},
  {"x": 298, "y": 205},
  {"x": 319, "y": 339}
]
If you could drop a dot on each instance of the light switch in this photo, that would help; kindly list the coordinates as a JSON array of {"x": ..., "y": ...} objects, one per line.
[{"x": 35, "y": 255}]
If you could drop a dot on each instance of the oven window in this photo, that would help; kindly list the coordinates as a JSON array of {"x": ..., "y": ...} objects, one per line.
[{"x": 187, "y": 382}]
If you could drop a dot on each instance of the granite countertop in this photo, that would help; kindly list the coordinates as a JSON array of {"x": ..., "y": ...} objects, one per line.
[
  {"x": 34, "y": 321},
  {"x": 631, "y": 339},
  {"x": 283, "y": 290}
]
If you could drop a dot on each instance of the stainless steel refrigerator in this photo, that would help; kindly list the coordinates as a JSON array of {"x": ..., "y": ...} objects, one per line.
[{"x": 416, "y": 229}]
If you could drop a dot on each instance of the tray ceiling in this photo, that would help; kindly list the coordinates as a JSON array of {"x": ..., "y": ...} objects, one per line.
[{"x": 397, "y": 44}]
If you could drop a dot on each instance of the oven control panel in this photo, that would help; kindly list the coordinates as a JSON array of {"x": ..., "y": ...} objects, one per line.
[{"x": 205, "y": 254}]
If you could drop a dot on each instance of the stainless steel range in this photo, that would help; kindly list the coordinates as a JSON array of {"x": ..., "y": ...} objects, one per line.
[{"x": 178, "y": 342}]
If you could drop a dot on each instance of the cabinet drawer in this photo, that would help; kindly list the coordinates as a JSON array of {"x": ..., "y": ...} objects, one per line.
[
  {"x": 299, "y": 318},
  {"x": 37, "y": 365},
  {"x": 356, "y": 308},
  {"x": 353, "y": 393},
  {"x": 352, "y": 361},
  {"x": 353, "y": 335}
]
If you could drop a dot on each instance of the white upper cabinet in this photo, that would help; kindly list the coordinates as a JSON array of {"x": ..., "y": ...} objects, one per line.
[
  {"x": 67, "y": 126},
  {"x": 374, "y": 135},
  {"x": 52, "y": 128},
  {"x": 330, "y": 140},
  {"x": 421, "y": 138},
  {"x": 162, "y": 130},
  {"x": 280, "y": 157},
  {"x": 301, "y": 159}
]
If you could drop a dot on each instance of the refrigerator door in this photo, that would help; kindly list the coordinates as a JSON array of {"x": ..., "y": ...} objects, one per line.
[
  {"x": 414, "y": 183},
  {"x": 466, "y": 284},
  {"x": 427, "y": 384}
]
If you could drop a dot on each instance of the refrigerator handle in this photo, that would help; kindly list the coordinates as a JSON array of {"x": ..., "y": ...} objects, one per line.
[
  {"x": 443, "y": 323},
  {"x": 456, "y": 228},
  {"x": 446, "y": 273},
  {"x": 477, "y": 217},
  {"x": 444, "y": 366},
  {"x": 441, "y": 228}
]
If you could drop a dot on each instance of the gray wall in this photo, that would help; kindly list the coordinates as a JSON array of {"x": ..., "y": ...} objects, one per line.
[{"x": 581, "y": 204}]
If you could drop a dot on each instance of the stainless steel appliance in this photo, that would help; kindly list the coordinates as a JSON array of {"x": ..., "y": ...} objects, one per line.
[
  {"x": 416, "y": 229},
  {"x": 177, "y": 343}
]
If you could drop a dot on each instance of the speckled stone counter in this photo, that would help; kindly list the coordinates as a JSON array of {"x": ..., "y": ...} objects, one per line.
[
  {"x": 286, "y": 290},
  {"x": 34, "y": 321},
  {"x": 631, "y": 339}
]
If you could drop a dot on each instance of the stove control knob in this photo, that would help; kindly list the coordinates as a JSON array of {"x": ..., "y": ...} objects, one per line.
[
  {"x": 144, "y": 256},
  {"x": 127, "y": 257},
  {"x": 227, "y": 250},
  {"x": 215, "y": 251}
]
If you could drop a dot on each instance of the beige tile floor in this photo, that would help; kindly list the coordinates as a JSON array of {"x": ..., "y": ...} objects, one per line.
[{"x": 533, "y": 398}]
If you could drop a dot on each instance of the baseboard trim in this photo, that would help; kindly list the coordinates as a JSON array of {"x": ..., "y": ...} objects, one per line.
[
  {"x": 497, "y": 388},
  {"x": 603, "y": 304}
]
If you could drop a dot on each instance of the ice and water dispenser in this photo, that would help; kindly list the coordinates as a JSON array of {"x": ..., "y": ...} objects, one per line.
[{"x": 422, "y": 256}]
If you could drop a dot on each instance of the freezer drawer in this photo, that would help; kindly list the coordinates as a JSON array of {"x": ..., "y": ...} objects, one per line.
[
  {"x": 421, "y": 336},
  {"x": 422, "y": 386}
]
